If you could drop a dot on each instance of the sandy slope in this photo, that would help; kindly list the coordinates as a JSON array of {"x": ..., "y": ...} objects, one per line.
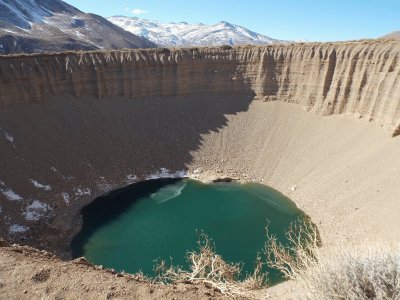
[{"x": 345, "y": 171}]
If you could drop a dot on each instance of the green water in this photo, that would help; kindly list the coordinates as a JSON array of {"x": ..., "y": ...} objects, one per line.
[{"x": 132, "y": 227}]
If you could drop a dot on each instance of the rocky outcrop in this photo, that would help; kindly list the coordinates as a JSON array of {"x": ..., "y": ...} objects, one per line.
[{"x": 78, "y": 124}]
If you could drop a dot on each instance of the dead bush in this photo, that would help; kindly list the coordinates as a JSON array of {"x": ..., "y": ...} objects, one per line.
[
  {"x": 209, "y": 268},
  {"x": 368, "y": 271}
]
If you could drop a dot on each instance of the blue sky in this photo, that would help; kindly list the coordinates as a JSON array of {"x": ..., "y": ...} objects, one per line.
[{"x": 313, "y": 20}]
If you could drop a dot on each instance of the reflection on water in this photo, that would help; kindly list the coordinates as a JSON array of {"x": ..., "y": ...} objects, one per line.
[{"x": 169, "y": 192}]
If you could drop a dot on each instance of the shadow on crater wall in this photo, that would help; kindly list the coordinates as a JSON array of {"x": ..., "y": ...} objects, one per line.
[{"x": 83, "y": 146}]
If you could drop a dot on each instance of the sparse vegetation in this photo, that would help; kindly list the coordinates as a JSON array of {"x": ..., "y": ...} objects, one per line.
[
  {"x": 369, "y": 271},
  {"x": 299, "y": 254},
  {"x": 209, "y": 268},
  {"x": 355, "y": 272}
]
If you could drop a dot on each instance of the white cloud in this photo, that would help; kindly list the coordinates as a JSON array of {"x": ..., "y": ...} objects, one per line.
[{"x": 139, "y": 11}]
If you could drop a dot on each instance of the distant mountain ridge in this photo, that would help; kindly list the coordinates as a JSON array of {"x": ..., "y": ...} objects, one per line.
[
  {"x": 392, "y": 35},
  {"x": 53, "y": 25},
  {"x": 185, "y": 34}
]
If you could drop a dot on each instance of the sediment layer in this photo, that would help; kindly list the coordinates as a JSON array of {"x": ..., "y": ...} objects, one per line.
[{"x": 359, "y": 78}]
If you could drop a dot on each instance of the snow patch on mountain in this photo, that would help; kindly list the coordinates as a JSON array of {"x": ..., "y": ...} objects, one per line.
[
  {"x": 53, "y": 25},
  {"x": 184, "y": 34}
]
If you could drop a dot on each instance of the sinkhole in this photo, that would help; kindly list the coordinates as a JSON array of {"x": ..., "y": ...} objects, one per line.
[{"x": 130, "y": 228}]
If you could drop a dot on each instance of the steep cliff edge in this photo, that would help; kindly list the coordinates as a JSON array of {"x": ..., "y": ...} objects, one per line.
[
  {"x": 357, "y": 78},
  {"x": 76, "y": 125}
]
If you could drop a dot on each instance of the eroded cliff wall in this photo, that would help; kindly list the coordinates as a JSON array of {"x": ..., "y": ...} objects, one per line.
[
  {"x": 75, "y": 125},
  {"x": 358, "y": 78}
]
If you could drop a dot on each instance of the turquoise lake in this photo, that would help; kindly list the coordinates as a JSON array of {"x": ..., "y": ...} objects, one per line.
[{"x": 131, "y": 227}]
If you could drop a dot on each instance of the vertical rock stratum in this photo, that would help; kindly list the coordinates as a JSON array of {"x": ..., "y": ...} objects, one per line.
[
  {"x": 359, "y": 78},
  {"x": 304, "y": 118}
]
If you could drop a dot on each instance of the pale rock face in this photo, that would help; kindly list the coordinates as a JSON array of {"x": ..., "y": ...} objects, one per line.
[{"x": 184, "y": 34}]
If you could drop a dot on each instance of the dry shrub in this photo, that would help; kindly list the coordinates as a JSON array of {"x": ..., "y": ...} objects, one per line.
[
  {"x": 357, "y": 272},
  {"x": 369, "y": 271},
  {"x": 299, "y": 253},
  {"x": 209, "y": 268}
]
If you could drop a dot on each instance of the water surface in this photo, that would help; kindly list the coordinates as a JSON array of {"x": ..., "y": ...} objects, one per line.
[{"x": 132, "y": 227}]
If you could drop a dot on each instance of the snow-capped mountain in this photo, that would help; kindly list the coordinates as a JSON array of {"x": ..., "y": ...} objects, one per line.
[
  {"x": 53, "y": 25},
  {"x": 184, "y": 34}
]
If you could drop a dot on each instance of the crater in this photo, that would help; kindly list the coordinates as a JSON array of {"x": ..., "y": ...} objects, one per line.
[{"x": 77, "y": 125}]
